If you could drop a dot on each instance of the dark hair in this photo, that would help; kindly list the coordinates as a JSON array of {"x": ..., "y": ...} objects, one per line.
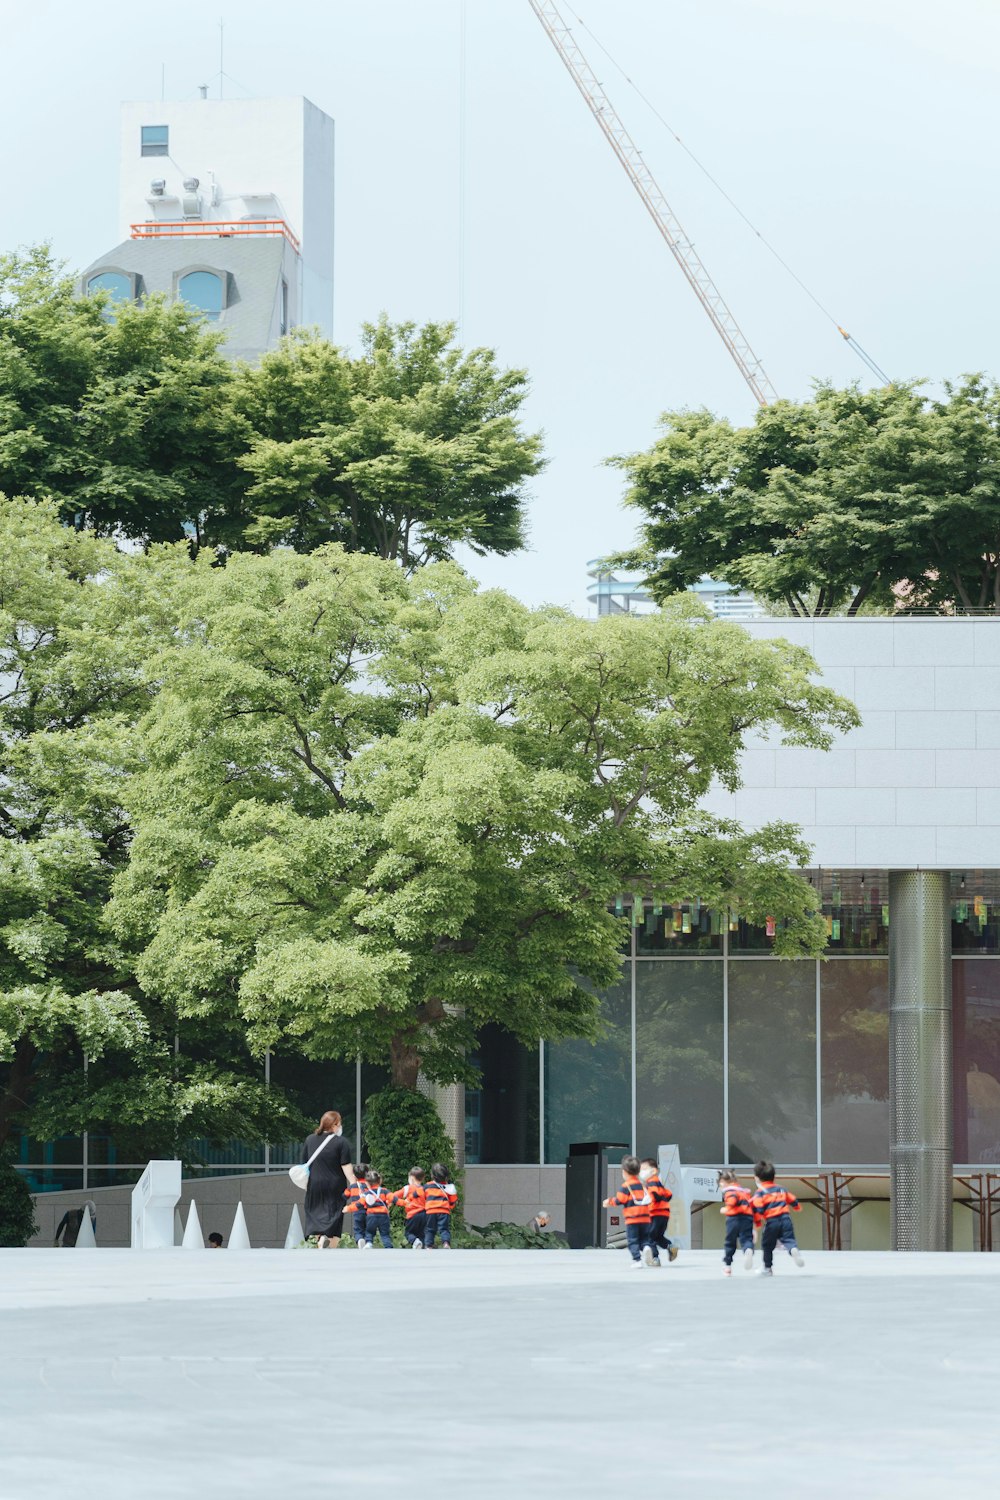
[
  {"x": 650, "y": 1161},
  {"x": 764, "y": 1170},
  {"x": 215, "y": 1238},
  {"x": 360, "y": 1169},
  {"x": 328, "y": 1122},
  {"x": 630, "y": 1164},
  {"x": 417, "y": 1172},
  {"x": 439, "y": 1172},
  {"x": 375, "y": 1177}
]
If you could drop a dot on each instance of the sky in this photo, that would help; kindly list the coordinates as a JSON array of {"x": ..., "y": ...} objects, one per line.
[{"x": 858, "y": 136}]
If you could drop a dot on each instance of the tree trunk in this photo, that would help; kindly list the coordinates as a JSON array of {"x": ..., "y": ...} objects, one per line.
[
  {"x": 404, "y": 1061},
  {"x": 18, "y": 1089}
]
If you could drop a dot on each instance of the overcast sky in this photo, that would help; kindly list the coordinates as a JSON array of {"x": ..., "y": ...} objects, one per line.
[{"x": 860, "y": 136}]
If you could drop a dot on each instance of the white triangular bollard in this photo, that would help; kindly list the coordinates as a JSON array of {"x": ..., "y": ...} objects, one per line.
[
  {"x": 85, "y": 1240},
  {"x": 178, "y": 1228},
  {"x": 193, "y": 1237},
  {"x": 296, "y": 1234},
  {"x": 239, "y": 1239}
]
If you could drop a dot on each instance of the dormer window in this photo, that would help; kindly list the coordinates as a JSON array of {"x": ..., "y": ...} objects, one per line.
[{"x": 205, "y": 291}]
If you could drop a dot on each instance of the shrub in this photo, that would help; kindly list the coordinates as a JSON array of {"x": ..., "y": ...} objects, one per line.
[
  {"x": 17, "y": 1209},
  {"x": 502, "y": 1235},
  {"x": 403, "y": 1129}
]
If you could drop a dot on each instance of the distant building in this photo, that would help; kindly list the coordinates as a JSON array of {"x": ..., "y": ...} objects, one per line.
[
  {"x": 228, "y": 205},
  {"x": 615, "y": 595}
]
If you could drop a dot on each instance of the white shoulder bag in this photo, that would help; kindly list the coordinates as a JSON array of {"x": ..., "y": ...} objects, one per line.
[{"x": 300, "y": 1172}]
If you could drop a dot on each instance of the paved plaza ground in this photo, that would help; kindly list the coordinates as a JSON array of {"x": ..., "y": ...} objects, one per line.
[{"x": 275, "y": 1374}]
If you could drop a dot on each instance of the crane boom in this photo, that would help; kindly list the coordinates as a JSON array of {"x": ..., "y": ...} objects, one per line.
[{"x": 657, "y": 207}]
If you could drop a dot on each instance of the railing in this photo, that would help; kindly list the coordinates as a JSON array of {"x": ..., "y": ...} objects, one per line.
[{"x": 155, "y": 229}]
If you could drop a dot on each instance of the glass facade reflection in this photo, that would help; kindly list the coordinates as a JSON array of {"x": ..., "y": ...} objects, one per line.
[
  {"x": 679, "y": 1036},
  {"x": 706, "y": 1041}
]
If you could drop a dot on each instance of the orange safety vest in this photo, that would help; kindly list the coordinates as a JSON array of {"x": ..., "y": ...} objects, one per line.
[
  {"x": 438, "y": 1199},
  {"x": 634, "y": 1199},
  {"x": 661, "y": 1195},
  {"x": 413, "y": 1198},
  {"x": 771, "y": 1202},
  {"x": 352, "y": 1199},
  {"x": 736, "y": 1201}
]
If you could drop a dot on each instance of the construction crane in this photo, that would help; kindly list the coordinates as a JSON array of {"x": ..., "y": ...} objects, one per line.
[{"x": 659, "y": 210}]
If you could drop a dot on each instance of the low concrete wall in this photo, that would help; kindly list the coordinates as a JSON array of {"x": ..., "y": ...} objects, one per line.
[{"x": 511, "y": 1193}]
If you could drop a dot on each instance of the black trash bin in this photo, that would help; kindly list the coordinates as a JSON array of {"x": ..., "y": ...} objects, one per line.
[{"x": 586, "y": 1176}]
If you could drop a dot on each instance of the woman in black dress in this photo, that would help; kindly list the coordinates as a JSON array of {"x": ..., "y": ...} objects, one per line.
[{"x": 328, "y": 1178}]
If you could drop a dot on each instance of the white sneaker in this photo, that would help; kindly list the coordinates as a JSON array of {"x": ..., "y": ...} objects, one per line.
[
  {"x": 648, "y": 1257},
  {"x": 418, "y": 1245},
  {"x": 765, "y": 1271},
  {"x": 797, "y": 1256},
  {"x": 323, "y": 1242},
  {"x": 748, "y": 1260},
  {"x": 636, "y": 1265}
]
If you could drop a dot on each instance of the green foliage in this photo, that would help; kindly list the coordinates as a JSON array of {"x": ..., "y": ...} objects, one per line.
[
  {"x": 374, "y": 814},
  {"x": 403, "y": 451},
  {"x": 853, "y": 498},
  {"x": 403, "y": 1129},
  {"x": 17, "y": 1209},
  {"x": 123, "y": 419},
  {"x": 502, "y": 1235},
  {"x": 130, "y": 418}
]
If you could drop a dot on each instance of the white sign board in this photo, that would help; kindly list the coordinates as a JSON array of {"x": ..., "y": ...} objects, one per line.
[
  {"x": 688, "y": 1185},
  {"x": 154, "y": 1198}
]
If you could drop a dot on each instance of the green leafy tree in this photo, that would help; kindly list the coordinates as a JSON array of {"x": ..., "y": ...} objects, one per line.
[
  {"x": 77, "y": 620},
  {"x": 376, "y": 814},
  {"x": 403, "y": 1129},
  {"x": 17, "y": 1209},
  {"x": 123, "y": 418},
  {"x": 821, "y": 506},
  {"x": 404, "y": 451}
]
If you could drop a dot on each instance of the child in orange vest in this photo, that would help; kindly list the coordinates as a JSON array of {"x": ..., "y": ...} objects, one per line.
[
  {"x": 414, "y": 1200},
  {"x": 771, "y": 1208},
  {"x": 659, "y": 1207},
  {"x": 354, "y": 1203},
  {"x": 376, "y": 1201},
  {"x": 737, "y": 1211},
  {"x": 440, "y": 1197},
  {"x": 633, "y": 1198}
]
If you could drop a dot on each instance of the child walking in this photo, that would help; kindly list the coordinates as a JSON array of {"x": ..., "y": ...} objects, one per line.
[
  {"x": 354, "y": 1203},
  {"x": 771, "y": 1207},
  {"x": 414, "y": 1200},
  {"x": 440, "y": 1197},
  {"x": 633, "y": 1198},
  {"x": 737, "y": 1210},
  {"x": 376, "y": 1201},
  {"x": 659, "y": 1207}
]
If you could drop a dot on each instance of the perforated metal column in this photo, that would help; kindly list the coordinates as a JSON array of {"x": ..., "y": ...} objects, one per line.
[{"x": 920, "y": 1059}]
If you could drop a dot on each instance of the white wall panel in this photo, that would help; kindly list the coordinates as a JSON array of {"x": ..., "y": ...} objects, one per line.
[
  {"x": 894, "y": 768},
  {"x": 852, "y": 805},
  {"x": 930, "y": 729},
  {"x": 879, "y": 847},
  {"x": 950, "y": 807}
]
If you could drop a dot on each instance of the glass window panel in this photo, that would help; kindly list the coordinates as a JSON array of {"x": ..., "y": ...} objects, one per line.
[
  {"x": 678, "y": 1070},
  {"x": 854, "y": 1016},
  {"x": 772, "y": 1061},
  {"x": 313, "y": 1087},
  {"x": 975, "y": 911},
  {"x": 686, "y": 928},
  {"x": 976, "y": 1021},
  {"x": 854, "y": 904},
  {"x": 117, "y": 285},
  {"x": 203, "y": 290},
  {"x": 501, "y": 1116},
  {"x": 154, "y": 140},
  {"x": 588, "y": 1092}
]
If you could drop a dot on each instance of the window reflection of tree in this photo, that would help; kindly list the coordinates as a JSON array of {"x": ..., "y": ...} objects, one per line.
[
  {"x": 772, "y": 1060},
  {"x": 679, "y": 1076}
]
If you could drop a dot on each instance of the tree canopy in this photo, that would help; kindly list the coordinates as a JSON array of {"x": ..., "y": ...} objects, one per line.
[
  {"x": 854, "y": 497},
  {"x": 77, "y": 622},
  {"x": 130, "y": 419},
  {"x": 373, "y": 814}
]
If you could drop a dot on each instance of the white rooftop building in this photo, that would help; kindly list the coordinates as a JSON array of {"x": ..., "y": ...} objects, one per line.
[{"x": 229, "y": 205}]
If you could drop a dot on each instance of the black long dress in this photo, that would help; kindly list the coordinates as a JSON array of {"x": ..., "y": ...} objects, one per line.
[{"x": 327, "y": 1184}]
